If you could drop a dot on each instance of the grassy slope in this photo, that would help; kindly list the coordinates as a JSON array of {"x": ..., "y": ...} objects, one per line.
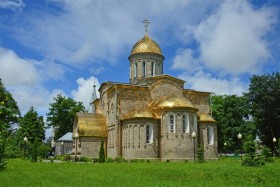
[{"x": 219, "y": 173}]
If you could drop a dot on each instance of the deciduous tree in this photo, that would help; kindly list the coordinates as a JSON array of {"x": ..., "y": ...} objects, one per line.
[
  {"x": 9, "y": 113},
  {"x": 62, "y": 114},
  {"x": 264, "y": 99},
  {"x": 232, "y": 115}
]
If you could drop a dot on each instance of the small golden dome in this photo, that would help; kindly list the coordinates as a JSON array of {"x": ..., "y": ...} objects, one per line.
[
  {"x": 146, "y": 45},
  {"x": 139, "y": 114}
]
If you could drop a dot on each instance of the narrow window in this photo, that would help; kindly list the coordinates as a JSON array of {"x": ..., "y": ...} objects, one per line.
[
  {"x": 144, "y": 68},
  {"x": 153, "y": 69},
  {"x": 149, "y": 134},
  {"x": 135, "y": 69},
  {"x": 186, "y": 123},
  {"x": 210, "y": 136},
  {"x": 171, "y": 123}
]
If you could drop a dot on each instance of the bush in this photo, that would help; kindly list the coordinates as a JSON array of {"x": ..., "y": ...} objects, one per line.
[
  {"x": 120, "y": 159},
  {"x": 251, "y": 158},
  {"x": 109, "y": 159},
  {"x": 102, "y": 152},
  {"x": 83, "y": 159},
  {"x": 266, "y": 154},
  {"x": 67, "y": 158},
  {"x": 255, "y": 161},
  {"x": 200, "y": 155}
]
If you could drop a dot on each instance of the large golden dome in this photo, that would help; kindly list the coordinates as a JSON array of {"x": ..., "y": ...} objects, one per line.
[{"x": 146, "y": 45}]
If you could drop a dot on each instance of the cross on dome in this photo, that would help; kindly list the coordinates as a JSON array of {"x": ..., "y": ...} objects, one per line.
[{"x": 146, "y": 22}]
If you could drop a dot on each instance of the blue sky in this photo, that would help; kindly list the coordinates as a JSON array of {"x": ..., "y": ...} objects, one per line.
[{"x": 61, "y": 46}]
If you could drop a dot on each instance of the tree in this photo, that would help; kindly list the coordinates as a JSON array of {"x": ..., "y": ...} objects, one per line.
[
  {"x": 9, "y": 113},
  {"x": 102, "y": 152},
  {"x": 62, "y": 114},
  {"x": 232, "y": 115},
  {"x": 264, "y": 99},
  {"x": 32, "y": 126}
]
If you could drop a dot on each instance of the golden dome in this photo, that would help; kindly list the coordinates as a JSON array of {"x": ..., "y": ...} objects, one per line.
[
  {"x": 139, "y": 114},
  {"x": 176, "y": 103},
  {"x": 206, "y": 118},
  {"x": 146, "y": 45}
]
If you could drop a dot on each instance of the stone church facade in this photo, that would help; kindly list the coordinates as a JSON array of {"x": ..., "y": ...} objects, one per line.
[{"x": 151, "y": 117}]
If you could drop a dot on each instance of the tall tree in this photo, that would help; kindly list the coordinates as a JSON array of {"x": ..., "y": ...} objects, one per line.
[
  {"x": 62, "y": 114},
  {"x": 232, "y": 115},
  {"x": 264, "y": 99},
  {"x": 32, "y": 126},
  {"x": 9, "y": 113}
]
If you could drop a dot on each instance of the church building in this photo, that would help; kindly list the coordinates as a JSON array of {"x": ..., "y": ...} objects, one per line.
[{"x": 151, "y": 117}]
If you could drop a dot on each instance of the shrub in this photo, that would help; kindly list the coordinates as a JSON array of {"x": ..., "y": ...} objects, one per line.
[
  {"x": 109, "y": 159},
  {"x": 251, "y": 158},
  {"x": 102, "y": 152},
  {"x": 266, "y": 154},
  {"x": 120, "y": 159},
  {"x": 83, "y": 159},
  {"x": 200, "y": 155},
  {"x": 67, "y": 158}
]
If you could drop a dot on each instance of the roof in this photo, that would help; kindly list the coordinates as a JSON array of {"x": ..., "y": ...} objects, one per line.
[
  {"x": 91, "y": 125},
  {"x": 206, "y": 118},
  {"x": 172, "y": 102},
  {"x": 137, "y": 114},
  {"x": 66, "y": 137},
  {"x": 146, "y": 45}
]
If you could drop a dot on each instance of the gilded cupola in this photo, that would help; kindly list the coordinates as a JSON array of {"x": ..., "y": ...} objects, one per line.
[
  {"x": 146, "y": 45},
  {"x": 146, "y": 59}
]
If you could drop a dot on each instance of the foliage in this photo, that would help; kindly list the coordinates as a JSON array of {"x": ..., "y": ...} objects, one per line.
[
  {"x": 32, "y": 127},
  {"x": 62, "y": 114},
  {"x": 102, "y": 152},
  {"x": 120, "y": 159},
  {"x": 9, "y": 113},
  {"x": 233, "y": 116},
  {"x": 266, "y": 154},
  {"x": 109, "y": 159},
  {"x": 200, "y": 155},
  {"x": 43, "y": 150},
  {"x": 226, "y": 172},
  {"x": 83, "y": 159},
  {"x": 251, "y": 158},
  {"x": 14, "y": 145},
  {"x": 264, "y": 99}
]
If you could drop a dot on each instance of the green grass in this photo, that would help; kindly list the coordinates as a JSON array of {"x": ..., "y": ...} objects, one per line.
[{"x": 226, "y": 172}]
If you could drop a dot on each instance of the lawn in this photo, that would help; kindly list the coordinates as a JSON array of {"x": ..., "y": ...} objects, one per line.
[{"x": 226, "y": 172}]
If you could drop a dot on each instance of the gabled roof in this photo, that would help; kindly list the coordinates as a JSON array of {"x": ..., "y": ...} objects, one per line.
[{"x": 66, "y": 137}]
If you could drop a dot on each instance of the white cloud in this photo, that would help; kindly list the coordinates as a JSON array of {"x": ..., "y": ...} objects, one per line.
[
  {"x": 16, "y": 71},
  {"x": 233, "y": 38},
  {"x": 38, "y": 97},
  {"x": 185, "y": 61},
  {"x": 90, "y": 31},
  {"x": 24, "y": 78},
  {"x": 85, "y": 90},
  {"x": 202, "y": 81},
  {"x": 12, "y": 4}
]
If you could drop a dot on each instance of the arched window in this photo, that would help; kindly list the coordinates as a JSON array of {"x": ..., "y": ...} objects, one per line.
[
  {"x": 172, "y": 123},
  {"x": 186, "y": 123},
  {"x": 144, "y": 68},
  {"x": 149, "y": 134},
  {"x": 210, "y": 136}
]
